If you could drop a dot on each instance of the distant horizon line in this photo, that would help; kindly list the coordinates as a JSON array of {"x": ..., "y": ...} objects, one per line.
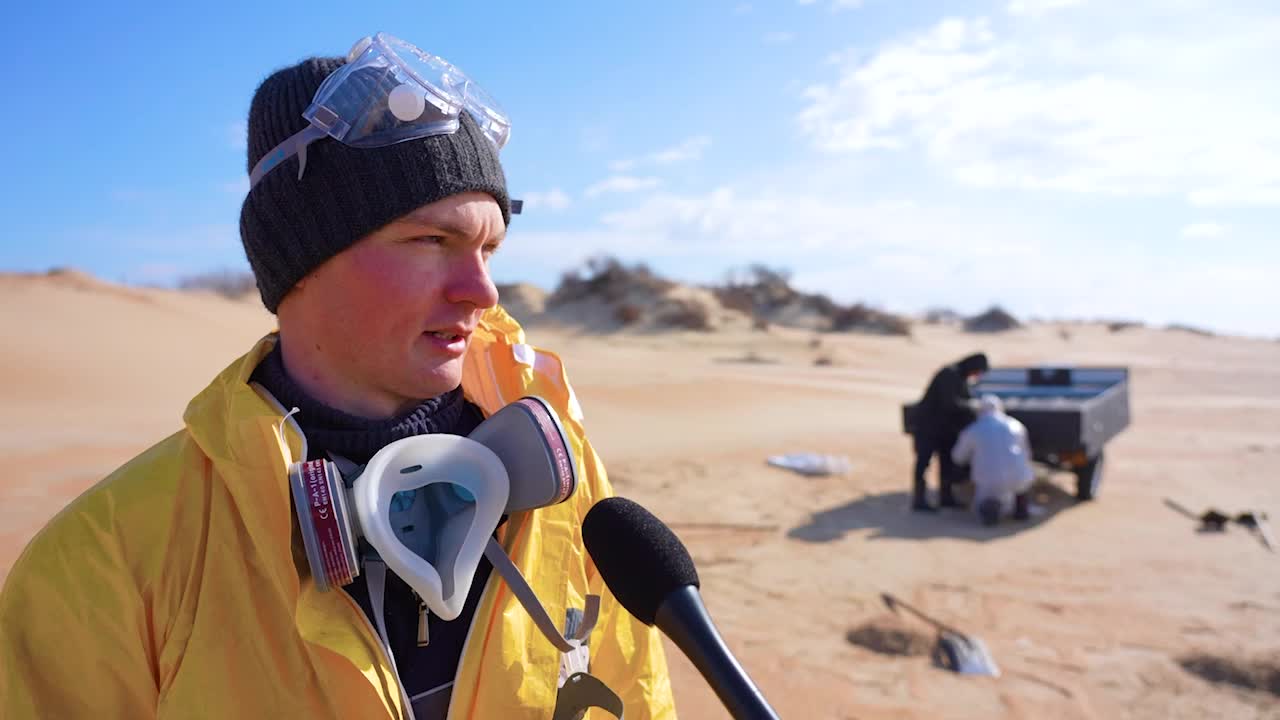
[{"x": 954, "y": 316}]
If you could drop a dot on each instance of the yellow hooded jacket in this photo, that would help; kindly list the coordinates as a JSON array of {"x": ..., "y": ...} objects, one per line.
[{"x": 177, "y": 587}]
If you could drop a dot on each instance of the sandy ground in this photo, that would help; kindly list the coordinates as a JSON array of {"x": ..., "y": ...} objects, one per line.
[{"x": 1117, "y": 608}]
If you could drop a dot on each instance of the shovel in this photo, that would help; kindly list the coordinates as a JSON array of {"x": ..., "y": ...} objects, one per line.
[
  {"x": 1258, "y": 523},
  {"x": 1212, "y": 520},
  {"x": 964, "y": 654}
]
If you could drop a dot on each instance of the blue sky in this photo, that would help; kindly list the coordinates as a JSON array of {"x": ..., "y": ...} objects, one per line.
[{"x": 1066, "y": 158}]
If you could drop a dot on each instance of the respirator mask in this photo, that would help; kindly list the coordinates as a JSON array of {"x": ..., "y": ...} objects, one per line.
[{"x": 427, "y": 506}]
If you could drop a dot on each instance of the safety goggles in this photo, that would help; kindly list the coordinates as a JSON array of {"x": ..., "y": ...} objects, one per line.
[{"x": 389, "y": 91}]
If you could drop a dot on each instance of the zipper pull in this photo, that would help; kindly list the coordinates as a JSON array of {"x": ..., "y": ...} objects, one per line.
[{"x": 423, "y": 637}]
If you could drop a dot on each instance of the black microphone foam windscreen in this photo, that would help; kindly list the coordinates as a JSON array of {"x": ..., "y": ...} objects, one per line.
[{"x": 638, "y": 556}]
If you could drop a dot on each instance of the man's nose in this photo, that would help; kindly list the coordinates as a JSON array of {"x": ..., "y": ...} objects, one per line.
[{"x": 470, "y": 283}]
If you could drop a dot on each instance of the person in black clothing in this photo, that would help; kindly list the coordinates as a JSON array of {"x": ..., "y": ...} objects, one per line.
[{"x": 939, "y": 417}]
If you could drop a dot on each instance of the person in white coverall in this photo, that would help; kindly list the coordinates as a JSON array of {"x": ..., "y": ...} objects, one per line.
[{"x": 996, "y": 448}]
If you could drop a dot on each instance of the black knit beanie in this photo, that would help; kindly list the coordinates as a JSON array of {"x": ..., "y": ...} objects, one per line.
[{"x": 289, "y": 226}]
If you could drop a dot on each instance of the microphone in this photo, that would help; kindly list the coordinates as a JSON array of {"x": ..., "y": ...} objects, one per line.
[{"x": 649, "y": 570}]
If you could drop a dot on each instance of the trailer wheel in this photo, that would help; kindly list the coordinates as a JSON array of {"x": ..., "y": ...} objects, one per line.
[{"x": 1089, "y": 478}]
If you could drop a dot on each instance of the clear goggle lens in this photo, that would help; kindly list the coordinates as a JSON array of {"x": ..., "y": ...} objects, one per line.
[{"x": 388, "y": 92}]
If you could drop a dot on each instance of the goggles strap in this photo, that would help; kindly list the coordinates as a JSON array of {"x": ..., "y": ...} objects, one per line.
[{"x": 295, "y": 144}]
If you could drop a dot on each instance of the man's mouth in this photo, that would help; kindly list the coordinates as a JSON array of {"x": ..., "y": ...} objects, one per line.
[{"x": 451, "y": 334}]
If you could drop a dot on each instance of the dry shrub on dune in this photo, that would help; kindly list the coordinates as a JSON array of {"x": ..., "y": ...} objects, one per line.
[
  {"x": 766, "y": 294},
  {"x": 607, "y": 295},
  {"x": 993, "y": 320},
  {"x": 234, "y": 284}
]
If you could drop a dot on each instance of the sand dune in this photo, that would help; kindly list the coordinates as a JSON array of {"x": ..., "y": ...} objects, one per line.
[{"x": 1116, "y": 608}]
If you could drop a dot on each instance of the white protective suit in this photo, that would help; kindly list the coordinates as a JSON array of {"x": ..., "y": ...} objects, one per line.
[{"x": 996, "y": 448}]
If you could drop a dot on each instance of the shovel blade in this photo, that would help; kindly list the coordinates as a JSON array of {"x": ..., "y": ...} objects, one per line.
[{"x": 967, "y": 655}]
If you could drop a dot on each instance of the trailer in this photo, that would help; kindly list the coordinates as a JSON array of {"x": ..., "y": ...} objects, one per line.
[{"x": 1070, "y": 413}]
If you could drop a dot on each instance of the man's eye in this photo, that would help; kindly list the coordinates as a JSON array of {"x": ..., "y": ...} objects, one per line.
[
  {"x": 430, "y": 239},
  {"x": 490, "y": 249}
]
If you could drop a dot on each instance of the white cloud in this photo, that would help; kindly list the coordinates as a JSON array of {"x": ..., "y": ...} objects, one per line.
[
  {"x": 1206, "y": 230},
  {"x": 1113, "y": 103},
  {"x": 553, "y": 199},
  {"x": 907, "y": 257},
  {"x": 1039, "y": 7},
  {"x": 742, "y": 8},
  {"x": 686, "y": 151},
  {"x": 796, "y": 227},
  {"x": 690, "y": 149},
  {"x": 778, "y": 37},
  {"x": 1237, "y": 195},
  {"x": 622, "y": 184}
]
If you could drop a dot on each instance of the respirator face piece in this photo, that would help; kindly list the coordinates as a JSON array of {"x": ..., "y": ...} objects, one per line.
[
  {"x": 428, "y": 505},
  {"x": 436, "y": 542}
]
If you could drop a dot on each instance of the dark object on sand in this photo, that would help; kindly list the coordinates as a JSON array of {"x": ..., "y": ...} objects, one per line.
[
  {"x": 960, "y": 653},
  {"x": 887, "y": 636},
  {"x": 1070, "y": 414},
  {"x": 1257, "y": 675},
  {"x": 1213, "y": 520}
]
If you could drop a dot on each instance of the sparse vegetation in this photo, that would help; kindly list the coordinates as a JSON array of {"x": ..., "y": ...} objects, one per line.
[
  {"x": 608, "y": 279},
  {"x": 1116, "y": 326},
  {"x": 1179, "y": 327},
  {"x": 685, "y": 314},
  {"x": 233, "y": 284},
  {"x": 996, "y": 319},
  {"x": 942, "y": 316},
  {"x": 861, "y": 318},
  {"x": 765, "y": 293},
  {"x": 607, "y": 294},
  {"x": 629, "y": 314}
]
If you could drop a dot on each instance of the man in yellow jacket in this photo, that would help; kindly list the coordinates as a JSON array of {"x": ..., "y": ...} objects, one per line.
[{"x": 178, "y": 587}]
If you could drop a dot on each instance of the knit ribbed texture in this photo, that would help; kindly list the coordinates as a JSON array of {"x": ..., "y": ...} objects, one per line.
[{"x": 290, "y": 226}]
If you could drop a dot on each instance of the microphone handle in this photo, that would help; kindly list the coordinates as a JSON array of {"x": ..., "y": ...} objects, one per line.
[{"x": 685, "y": 620}]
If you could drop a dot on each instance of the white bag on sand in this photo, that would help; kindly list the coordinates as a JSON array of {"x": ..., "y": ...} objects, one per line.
[{"x": 812, "y": 464}]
